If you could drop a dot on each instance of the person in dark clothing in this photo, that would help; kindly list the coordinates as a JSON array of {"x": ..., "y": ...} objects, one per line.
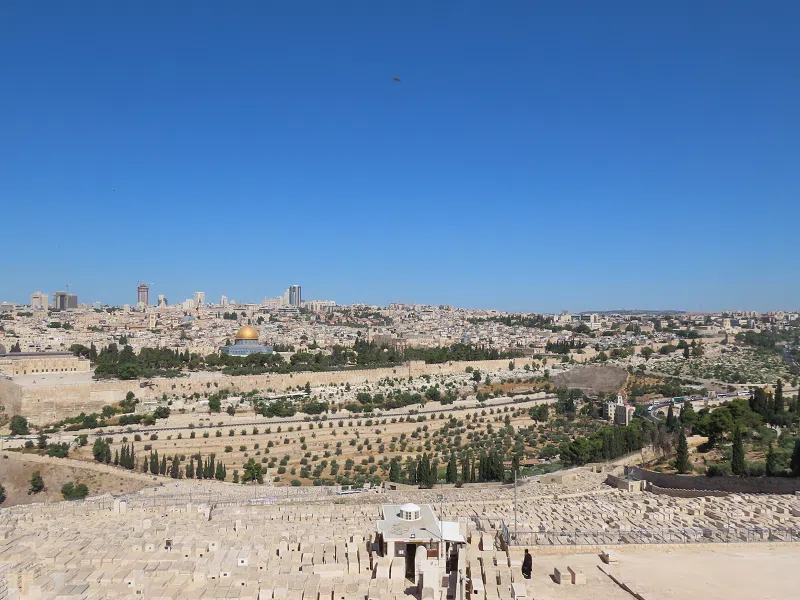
[{"x": 527, "y": 565}]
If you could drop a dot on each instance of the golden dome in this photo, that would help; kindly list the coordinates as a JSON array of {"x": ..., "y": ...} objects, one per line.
[{"x": 247, "y": 333}]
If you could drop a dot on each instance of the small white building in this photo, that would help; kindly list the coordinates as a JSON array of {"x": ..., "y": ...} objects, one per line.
[{"x": 427, "y": 545}]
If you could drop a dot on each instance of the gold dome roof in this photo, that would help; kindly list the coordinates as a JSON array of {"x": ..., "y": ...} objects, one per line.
[{"x": 247, "y": 333}]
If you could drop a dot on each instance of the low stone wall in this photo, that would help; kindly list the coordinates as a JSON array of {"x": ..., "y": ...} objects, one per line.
[
  {"x": 674, "y": 493},
  {"x": 741, "y": 485}
]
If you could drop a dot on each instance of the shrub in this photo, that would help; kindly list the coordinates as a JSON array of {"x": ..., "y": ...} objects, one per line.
[
  {"x": 719, "y": 470},
  {"x": 70, "y": 491}
]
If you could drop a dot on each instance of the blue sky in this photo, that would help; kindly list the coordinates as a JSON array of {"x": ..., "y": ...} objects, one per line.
[{"x": 536, "y": 156}]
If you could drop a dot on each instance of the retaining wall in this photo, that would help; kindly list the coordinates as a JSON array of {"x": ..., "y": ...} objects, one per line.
[{"x": 741, "y": 485}]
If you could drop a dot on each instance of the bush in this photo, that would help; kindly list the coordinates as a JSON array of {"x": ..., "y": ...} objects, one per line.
[
  {"x": 228, "y": 448},
  {"x": 19, "y": 425},
  {"x": 756, "y": 469},
  {"x": 153, "y": 437},
  {"x": 296, "y": 482},
  {"x": 70, "y": 491},
  {"x": 58, "y": 450},
  {"x": 719, "y": 470},
  {"x": 137, "y": 438}
]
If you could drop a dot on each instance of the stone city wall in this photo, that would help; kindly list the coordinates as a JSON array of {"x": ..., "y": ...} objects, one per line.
[
  {"x": 742, "y": 485},
  {"x": 10, "y": 397},
  {"x": 43, "y": 404}
]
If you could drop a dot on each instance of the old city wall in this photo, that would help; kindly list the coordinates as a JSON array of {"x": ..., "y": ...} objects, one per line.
[
  {"x": 47, "y": 404},
  {"x": 10, "y": 397}
]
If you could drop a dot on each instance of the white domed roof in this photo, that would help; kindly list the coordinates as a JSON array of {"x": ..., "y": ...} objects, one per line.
[{"x": 409, "y": 507}]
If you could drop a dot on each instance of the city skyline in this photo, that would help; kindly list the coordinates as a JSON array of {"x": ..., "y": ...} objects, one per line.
[
  {"x": 217, "y": 300},
  {"x": 530, "y": 159}
]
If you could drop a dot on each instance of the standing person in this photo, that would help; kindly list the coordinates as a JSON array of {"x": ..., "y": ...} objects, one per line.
[{"x": 527, "y": 565}]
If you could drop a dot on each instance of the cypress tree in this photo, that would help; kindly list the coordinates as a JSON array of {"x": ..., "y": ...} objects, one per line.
[
  {"x": 779, "y": 398},
  {"x": 452, "y": 469},
  {"x": 795, "y": 463},
  {"x": 116, "y": 457},
  {"x": 145, "y": 465},
  {"x": 190, "y": 468},
  {"x": 154, "y": 462},
  {"x": 737, "y": 459},
  {"x": 199, "y": 466},
  {"x": 173, "y": 472},
  {"x": 671, "y": 420},
  {"x": 394, "y": 471},
  {"x": 108, "y": 454},
  {"x": 682, "y": 457},
  {"x": 772, "y": 462},
  {"x": 163, "y": 469}
]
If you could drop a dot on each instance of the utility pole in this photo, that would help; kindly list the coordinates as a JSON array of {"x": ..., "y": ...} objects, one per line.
[{"x": 515, "y": 506}]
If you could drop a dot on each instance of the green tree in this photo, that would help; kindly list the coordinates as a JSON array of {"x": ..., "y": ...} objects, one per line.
[
  {"x": 190, "y": 469},
  {"x": 686, "y": 352},
  {"x": 738, "y": 466},
  {"x": 795, "y": 462},
  {"x": 174, "y": 470},
  {"x": 394, "y": 471},
  {"x": 688, "y": 416},
  {"x": 36, "y": 482},
  {"x": 19, "y": 425},
  {"x": 682, "y": 457},
  {"x": 452, "y": 469},
  {"x": 672, "y": 422},
  {"x": 99, "y": 449},
  {"x": 647, "y": 352},
  {"x": 779, "y": 406},
  {"x": 772, "y": 468},
  {"x": 70, "y": 491},
  {"x": 214, "y": 404},
  {"x": 252, "y": 471},
  {"x": 162, "y": 470},
  {"x": 2, "y": 493}
]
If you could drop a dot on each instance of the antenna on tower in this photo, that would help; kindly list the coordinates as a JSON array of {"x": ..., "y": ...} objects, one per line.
[{"x": 67, "y": 286}]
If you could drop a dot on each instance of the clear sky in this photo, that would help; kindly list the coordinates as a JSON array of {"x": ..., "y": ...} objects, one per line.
[{"x": 536, "y": 156}]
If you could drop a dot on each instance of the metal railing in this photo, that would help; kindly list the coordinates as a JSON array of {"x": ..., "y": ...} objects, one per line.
[{"x": 692, "y": 535}]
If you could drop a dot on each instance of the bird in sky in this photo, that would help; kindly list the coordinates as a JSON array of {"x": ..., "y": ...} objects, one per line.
[{"x": 396, "y": 79}]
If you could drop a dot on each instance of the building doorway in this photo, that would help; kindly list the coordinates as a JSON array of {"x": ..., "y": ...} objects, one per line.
[{"x": 411, "y": 553}]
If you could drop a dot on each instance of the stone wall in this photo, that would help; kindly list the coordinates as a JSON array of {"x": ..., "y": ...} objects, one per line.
[
  {"x": 654, "y": 489},
  {"x": 743, "y": 485},
  {"x": 51, "y": 403},
  {"x": 10, "y": 397}
]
